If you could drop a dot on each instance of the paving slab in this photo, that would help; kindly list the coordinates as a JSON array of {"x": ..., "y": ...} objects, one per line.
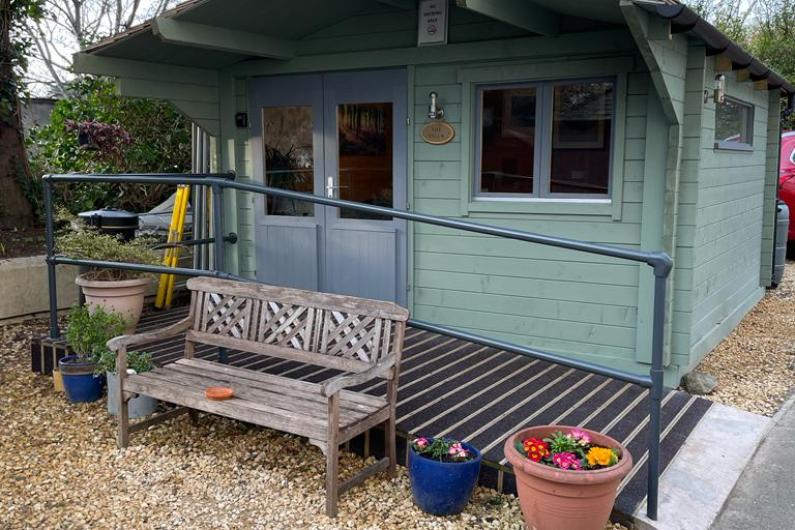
[
  {"x": 764, "y": 497},
  {"x": 699, "y": 480}
]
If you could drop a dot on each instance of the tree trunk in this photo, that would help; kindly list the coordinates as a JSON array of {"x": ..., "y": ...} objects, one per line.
[{"x": 15, "y": 209}]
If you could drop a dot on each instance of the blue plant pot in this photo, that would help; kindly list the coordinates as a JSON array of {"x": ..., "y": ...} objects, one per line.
[
  {"x": 79, "y": 381},
  {"x": 443, "y": 488}
]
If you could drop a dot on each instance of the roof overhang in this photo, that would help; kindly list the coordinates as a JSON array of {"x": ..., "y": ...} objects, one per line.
[
  {"x": 685, "y": 20},
  {"x": 233, "y": 31}
]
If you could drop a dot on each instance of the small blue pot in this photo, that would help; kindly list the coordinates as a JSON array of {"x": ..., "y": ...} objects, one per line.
[
  {"x": 443, "y": 488},
  {"x": 79, "y": 381}
]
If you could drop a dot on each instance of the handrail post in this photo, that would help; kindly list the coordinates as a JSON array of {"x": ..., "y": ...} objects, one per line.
[
  {"x": 52, "y": 280},
  {"x": 656, "y": 373},
  {"x": 218, "y": 245}
]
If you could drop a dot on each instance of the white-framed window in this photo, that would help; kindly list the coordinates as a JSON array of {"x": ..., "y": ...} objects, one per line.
[
  {"x": 544, "y": 140},
  {"x": 734, "y": 125}
]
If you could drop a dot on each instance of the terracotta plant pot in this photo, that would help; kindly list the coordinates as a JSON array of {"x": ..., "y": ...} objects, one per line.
[
  {"x": 124, "y": 296},
  {"x": 556, "y": 499}
]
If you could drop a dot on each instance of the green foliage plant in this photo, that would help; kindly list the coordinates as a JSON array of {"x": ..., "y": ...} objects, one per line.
[
  {"x": 90, "y": 244},
  {"x": 139, "y": 362},
  {"x": 89, "y": 331},
  {"x": 441, "y": 449},
  {"x": 125, "y": 135}
]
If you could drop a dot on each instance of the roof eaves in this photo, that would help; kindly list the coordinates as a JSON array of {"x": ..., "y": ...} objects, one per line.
[
  {"x": 142, "y": 27},
  {"x": 684, "y": 19}
]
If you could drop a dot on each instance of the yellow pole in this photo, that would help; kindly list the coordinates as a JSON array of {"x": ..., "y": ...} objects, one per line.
[
  {"x": 180, "y": 233},
  {"x": 161, "y": 288}
]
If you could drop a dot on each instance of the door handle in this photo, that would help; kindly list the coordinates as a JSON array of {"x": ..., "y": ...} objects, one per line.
[{"x": 330, "y": 187}]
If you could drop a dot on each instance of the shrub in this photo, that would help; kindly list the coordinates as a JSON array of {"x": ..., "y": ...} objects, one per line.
[
  {"x": 139, "y": 361},
  {"x": 92, "y": 245},
  {"x": 119, "y": 135},
  {"x": 88, "y": 332}
]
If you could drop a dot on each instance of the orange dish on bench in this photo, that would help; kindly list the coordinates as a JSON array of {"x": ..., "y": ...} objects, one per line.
[{"x": 219, "y": 393}]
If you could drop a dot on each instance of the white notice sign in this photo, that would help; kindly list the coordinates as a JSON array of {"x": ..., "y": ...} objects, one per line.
[{"x": 433, "y": 23}]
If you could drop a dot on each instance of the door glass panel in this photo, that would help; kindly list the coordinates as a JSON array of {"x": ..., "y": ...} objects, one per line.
[
  {"x": 289, "y": 159},
  {"x": 364, "y": 132}
]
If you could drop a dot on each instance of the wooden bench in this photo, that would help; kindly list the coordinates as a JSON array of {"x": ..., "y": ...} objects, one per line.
[{"x": 362, "y": 339}]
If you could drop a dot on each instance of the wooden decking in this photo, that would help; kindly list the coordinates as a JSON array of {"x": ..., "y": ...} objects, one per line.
[{"x": 449, "y": 387}]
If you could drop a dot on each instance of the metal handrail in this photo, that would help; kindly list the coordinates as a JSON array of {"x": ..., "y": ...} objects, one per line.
[{"x": 660, "y": 262}]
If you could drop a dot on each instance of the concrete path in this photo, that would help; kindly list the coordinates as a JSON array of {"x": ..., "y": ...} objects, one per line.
[
  {"x": 701, "y": 476},
  {"x": 764, "y": 497}
]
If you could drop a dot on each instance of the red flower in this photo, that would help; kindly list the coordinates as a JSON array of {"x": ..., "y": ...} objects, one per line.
[{"x": 535, "y": 448}]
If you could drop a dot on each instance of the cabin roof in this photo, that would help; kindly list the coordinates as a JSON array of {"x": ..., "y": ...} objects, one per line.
[{"x": 283, "y": 23}]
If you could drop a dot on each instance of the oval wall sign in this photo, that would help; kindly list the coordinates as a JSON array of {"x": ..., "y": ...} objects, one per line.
[{"x": 438, "y": 132}]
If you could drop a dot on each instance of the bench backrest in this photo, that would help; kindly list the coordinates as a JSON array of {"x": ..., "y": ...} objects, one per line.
[{"x": 342, "y": 332}]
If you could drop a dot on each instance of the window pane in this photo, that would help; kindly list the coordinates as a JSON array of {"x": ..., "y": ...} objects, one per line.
[
  {"x": 733, "y": 123},
  {"x": 582, "y": 126},
  {"x": 289, "y": 160},
  {"x": 364, "y": 133},
  {"x": 508, "y": 128}
]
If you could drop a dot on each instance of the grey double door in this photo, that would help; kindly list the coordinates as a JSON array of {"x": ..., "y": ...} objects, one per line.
[{"x": 340, "y": 135}]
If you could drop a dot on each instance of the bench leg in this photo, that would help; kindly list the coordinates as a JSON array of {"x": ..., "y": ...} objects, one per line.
[
  {"x": 391, "y": 450},
  {"x": 332, "y": 456},
  {"x": 390, "y": 431},
  {"x": 123, "y": 438},
  {"x": 193, "y": 414}
]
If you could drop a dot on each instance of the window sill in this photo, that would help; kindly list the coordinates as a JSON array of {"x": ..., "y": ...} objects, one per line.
[
  {"x": 544, "y": 206},
  {"x": 729, "y": 146}
]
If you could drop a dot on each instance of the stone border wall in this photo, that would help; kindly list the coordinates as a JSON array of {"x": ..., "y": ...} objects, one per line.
[{"x": 23, "y": 287}]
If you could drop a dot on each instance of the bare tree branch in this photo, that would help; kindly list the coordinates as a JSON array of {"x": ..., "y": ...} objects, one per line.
[{"x": 70, "y": 25}]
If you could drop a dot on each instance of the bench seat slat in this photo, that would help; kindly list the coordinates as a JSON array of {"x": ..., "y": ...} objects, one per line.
[
  {"x": 318, "y": 401},
  {"x": 376, "y": 402},
  {"x": 236, "y": 408},
  {"x": 253, "y": 391}
]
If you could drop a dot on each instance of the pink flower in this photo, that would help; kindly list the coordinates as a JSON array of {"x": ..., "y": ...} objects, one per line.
[
  {"x": 581, "y": 436},
  {"x": 456, "y": 448},
  {"x": 421, "y": 442},
  {"x": 566, "y": 460}
]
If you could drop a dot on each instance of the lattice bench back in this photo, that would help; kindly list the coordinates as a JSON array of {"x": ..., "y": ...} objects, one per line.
[{"x": 342, "y": 332}]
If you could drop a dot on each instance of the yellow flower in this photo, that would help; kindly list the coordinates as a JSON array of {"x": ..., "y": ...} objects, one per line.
[{"x": 601, "y": 456}]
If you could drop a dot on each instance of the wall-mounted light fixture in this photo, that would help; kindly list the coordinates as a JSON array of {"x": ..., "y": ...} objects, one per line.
[
  {"x": 719, "y": 91},
  {"x": 435, "y": 110}
]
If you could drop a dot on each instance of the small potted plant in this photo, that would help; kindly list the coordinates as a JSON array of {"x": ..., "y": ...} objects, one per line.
[
  {"x": 443, "y": 474},
  {"x": 567, "y": 478},
  {"x": 115, "y": 290},
  {"x": 87, "y": 334},
  {"x": 137, "y": 363}
]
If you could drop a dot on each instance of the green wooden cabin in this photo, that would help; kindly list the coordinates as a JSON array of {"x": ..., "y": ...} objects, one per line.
[{"x": 591, "y": 120}]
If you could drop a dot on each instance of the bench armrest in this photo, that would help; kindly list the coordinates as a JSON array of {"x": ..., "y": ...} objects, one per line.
[
  {"x": 125, "y": 341},
  {"x": 382, "y": 369}
]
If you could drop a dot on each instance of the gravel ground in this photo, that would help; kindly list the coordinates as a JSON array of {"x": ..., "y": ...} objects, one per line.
[
  {"x": 755, "y": 364},
  {"x": 60, "y": 469}
]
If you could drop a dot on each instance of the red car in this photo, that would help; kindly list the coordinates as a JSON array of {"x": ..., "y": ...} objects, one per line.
[{"x": 786, "y": 177}]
